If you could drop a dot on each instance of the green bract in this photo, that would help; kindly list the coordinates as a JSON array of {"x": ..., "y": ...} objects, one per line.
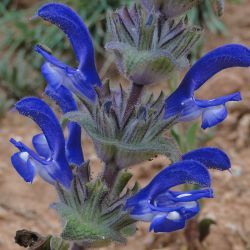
[
  {"x": 93, "y": 214},
  {"x": 125, "y": 143}
]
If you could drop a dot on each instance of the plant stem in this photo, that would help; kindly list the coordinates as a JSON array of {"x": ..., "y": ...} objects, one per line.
[
  {"x": 110, "y": 173},
  {"x": 192, "y": 235},
  {"x": 77, "y": 247},
  {"x": 134, "y": 96}
]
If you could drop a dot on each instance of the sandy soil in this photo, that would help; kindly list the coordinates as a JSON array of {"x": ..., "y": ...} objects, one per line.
[{"x": 26, "y": 206}]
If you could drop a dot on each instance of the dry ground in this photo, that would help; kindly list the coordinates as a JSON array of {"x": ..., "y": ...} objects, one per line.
[{"x": 26, "y": 206}]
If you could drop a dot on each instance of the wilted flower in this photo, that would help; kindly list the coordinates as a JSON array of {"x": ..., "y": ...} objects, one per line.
[
  {"x": 183, "y": 102},
  {"x": 50, "y": 160},
  {"x": 169, "y": 210},
  {"x": 83, "y": 79}
]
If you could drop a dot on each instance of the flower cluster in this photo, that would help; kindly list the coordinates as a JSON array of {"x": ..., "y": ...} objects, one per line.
[{"x": 149, "y": 41}]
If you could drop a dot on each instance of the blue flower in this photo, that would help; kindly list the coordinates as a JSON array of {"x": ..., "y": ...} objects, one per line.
[
  {"x": 168, "y": 210},
  {"x": 183, "y": 102},
  {"x": 65, "y": 100},
  {"x": 81, "y": 80},
  {"x": 49, "y": 159}
]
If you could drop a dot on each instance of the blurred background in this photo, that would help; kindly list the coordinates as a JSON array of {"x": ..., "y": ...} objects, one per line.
[{"x": 26, "y": 206}]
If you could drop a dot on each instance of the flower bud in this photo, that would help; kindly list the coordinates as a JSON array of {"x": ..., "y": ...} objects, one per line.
[{"x": 148, "y": 47}]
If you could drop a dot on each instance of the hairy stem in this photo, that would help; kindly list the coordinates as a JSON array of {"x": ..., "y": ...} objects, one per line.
[
  {"x": 110, "y": 173},
  {"x": 132, "y": 100}
]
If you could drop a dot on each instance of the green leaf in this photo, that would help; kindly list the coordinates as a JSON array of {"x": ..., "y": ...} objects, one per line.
[{"x": 204, "y": 228}]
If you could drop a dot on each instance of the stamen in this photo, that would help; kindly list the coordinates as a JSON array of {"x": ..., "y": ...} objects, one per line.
[{"x": 183, "y": 195}]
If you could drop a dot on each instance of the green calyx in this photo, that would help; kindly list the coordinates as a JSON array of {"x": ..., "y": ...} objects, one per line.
[
  {"x": 139, "y": 139},
  {"x": 147, "y": 46},
  {"x": 94, "y": 215}
]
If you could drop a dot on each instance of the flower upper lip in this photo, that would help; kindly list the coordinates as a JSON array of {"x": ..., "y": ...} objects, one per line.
[{"x": 71, "y": 24}]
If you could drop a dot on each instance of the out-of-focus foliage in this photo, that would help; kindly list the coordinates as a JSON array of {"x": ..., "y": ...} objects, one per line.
[
  {"x": 190, "y": 136},
  {"x": 236, "y": 1},
  {"x": 206, "y": 15}
]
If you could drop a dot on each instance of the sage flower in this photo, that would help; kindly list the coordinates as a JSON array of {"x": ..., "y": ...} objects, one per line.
[
  {"x": 83, "y": 79},
  {"x": 168, "y": 210},
  {"x": 49, "y": 159},
  {"x": 183, "y": 102}
]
